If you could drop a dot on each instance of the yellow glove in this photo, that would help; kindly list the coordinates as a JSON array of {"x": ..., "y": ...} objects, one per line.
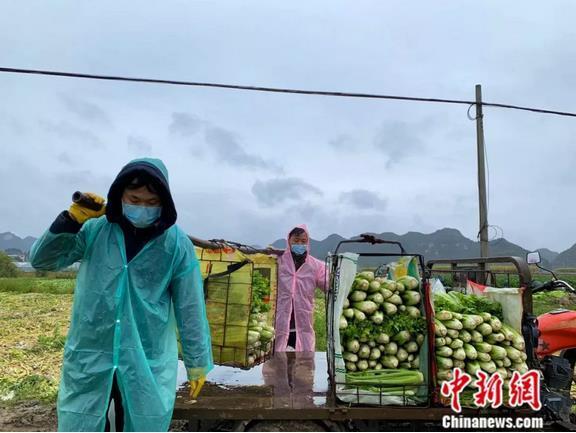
[
  {"x": 80, "y": 213},
  {"x": 196, "y": 387}
]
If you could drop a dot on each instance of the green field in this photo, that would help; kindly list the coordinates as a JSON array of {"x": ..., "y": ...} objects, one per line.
[
  {"x": 32, "y": 335},
  {"x": 34, "y": 319},
  {"x": 320, "y": 321},
  {"x": 55, "y": 286}
]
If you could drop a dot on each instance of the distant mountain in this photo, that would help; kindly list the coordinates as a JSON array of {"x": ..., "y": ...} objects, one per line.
[
  {"x": 446, "y": 243},
  {"x": 11, "y": 241},
  {"x": 566, "y": 259},
  {"x": 548, "y": 255}
]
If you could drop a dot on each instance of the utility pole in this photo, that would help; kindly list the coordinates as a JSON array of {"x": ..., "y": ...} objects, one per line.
[{"x": 481, "y": 174}]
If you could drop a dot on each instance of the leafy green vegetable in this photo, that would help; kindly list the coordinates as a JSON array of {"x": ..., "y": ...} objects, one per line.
[
  {"x": 471, "y": 352},
  {"x": 444, "y": 351},
  {"x": 456, "y": 344},
  {"x": 402, "y": 355},
  {"x": 453, "y": 324},
  {"x": 390, "y": 326},
  {"x": 260, "y": 293},
  {"x": 411, "y": 347},
  {"x": 391, "y": 348},
  {"x": 351, "y": 357},
  {"x": 403, "y": 322},
  {"x": 465, "y": 336},
  {"x": 482, "y": 356},
  {"x": 445, "y": 302},
  {"x": 472, "y": 368},
  {"x": 489, "y": 367},
  {"x": 444, "y": 363},
  {"x": 440, "y": 329},
  {"x": 444, "y": 375},
  {"x": 459, "y": 354},
  {"x": 457, "y": 302},
  {"x": 444, "y": 315},
  {"x": 358, "y": 296}
]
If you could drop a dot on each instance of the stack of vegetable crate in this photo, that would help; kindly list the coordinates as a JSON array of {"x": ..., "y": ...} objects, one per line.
[
  {"x": 240, "y": 291},
  {"x": 382, "y": 332},
  {"x": 471, "y": 335}
]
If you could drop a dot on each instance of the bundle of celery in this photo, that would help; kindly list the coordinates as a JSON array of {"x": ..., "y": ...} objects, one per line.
[
  {"x": 381, "y": 326},
  {"x": 471, "y": 335},
  {"x": 389, "y": 381}
]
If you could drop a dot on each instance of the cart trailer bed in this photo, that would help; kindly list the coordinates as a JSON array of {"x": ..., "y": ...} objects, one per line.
[{"x": 294, "y": 386}]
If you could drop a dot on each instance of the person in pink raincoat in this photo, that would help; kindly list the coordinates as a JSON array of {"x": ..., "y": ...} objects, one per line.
[{"x": 299, "y": 276}]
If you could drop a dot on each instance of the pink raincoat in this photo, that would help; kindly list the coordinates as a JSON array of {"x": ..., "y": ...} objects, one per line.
[{"x": 296, "y": 291}]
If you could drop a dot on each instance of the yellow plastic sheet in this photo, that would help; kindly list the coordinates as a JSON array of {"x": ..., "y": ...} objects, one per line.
[{"x": 229, "y": 299}]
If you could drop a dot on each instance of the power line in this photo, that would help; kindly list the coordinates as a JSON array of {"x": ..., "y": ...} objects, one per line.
[{"x": 280, "y": 90}]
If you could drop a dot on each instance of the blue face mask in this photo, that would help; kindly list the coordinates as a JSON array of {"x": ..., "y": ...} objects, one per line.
[
  {"x": 141, "y": 216},
  {"x": 299, "y": 249}
]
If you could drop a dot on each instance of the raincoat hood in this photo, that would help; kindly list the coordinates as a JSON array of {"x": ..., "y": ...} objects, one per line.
[
  {"x": 151, "y": 167},
  {"x": 303, "y": 227}
]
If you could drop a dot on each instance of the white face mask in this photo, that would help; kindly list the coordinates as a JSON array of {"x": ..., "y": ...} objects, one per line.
[
  {"x": 299, "y": 249},
  {"x": 141, "y": 216}
]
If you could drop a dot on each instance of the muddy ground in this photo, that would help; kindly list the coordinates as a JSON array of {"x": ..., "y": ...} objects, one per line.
[
  {"x": 40, "y": 417},
  {"x": 28, "y": 416},
  {"x": 34, "y": 416}
]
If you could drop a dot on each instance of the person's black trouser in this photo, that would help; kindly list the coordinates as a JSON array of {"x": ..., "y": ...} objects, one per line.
[
  {"x": 292, "y": 339},
  {"x": 118, "y": 408},
  {"x": 292, "y": 334}
]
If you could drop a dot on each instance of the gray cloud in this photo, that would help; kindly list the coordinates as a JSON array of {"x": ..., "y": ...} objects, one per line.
[
  {"x": 68, "y": 131},
  {"x": 226, "y": 147},
  {"x": 343, "y": 142},
  {"x": 185, "y": 125},
  {"x": 398, "y": 140},
  {"x": 380, "y": 54},
  {"x": 363, "y": 199},
  {"x": 65, "y": 158},
  {"x": 87, "y": 111},
  {"x": 224, "y": 144},
  {"x": 139, "y": 144},
  {"x": 277, "y": 191}
]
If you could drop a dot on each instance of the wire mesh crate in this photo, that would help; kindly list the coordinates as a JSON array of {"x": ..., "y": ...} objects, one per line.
[
  {"x": 343, "y": 270},
  {"x": 463, "y": 275},
  {"x": 240, "y": 291}
]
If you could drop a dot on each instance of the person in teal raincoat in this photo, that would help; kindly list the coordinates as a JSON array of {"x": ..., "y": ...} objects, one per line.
[{"x": 139, "y": 280}]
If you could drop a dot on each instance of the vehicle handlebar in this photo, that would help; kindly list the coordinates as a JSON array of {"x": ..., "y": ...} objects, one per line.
[{"x": 552, "y": 285}]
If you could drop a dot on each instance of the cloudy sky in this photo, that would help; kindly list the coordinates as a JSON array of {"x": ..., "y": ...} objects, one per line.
[{"x": 247, "y": 166}]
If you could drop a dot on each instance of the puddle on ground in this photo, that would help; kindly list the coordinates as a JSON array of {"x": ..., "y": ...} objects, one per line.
[{"x": 288, "y": 379}]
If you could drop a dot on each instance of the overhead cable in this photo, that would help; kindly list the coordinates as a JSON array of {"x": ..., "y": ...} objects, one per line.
[{"x": 280, "y": 90}]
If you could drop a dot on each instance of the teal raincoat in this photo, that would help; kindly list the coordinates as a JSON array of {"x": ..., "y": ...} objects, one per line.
[{"x": 125, "y": 315}]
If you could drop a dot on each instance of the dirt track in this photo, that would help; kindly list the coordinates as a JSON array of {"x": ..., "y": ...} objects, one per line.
[{"x": 33, "y": 416}]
